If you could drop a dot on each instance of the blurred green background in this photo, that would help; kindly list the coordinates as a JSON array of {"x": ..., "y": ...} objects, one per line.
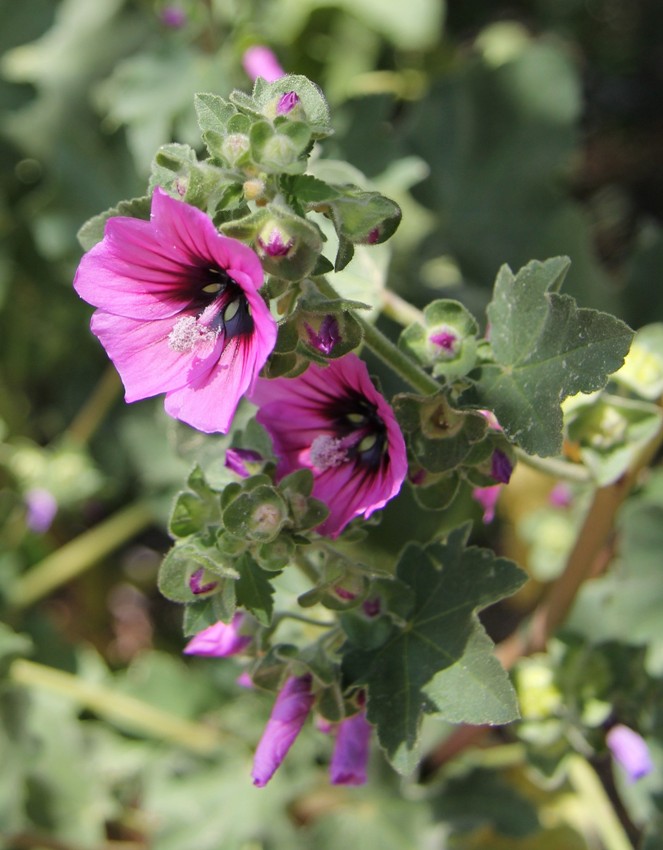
[{"x": 507, "y": 131}]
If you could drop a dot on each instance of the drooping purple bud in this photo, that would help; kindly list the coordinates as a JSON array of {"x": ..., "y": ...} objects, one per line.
[
  {"x": 373, "y": 236},
  {"x": 173, "y": 17},
  {"x": 487, "y": 497},
  {"x": 630, "y": 750},
  {"x": 220, "y": 640},
  {"x": 237, "y": 460},
  {"x": 197, "y": 583},
  {"x": 500, "y": 467},
  {"x": 289, "y": 714},
  {"x": 327, "y": 337},
  {"x": 351, "y": 751},
  {"x": 287, "y": 103},
  {"x": 41, "y": 509},
  {"x": 260, "y": 61}
]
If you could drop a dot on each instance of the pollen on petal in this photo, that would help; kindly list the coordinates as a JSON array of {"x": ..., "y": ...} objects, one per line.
[
  {"x": 327, "y": 452},
  {"x": 187, "y": 333}
]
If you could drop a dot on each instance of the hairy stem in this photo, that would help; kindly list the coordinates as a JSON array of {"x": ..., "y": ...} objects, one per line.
[{"x": 80, "y": 554}]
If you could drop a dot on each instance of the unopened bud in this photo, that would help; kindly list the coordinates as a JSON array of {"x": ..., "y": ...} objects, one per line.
[
  {"x": 273, "y": 241},
  {"x": 234, "y": 147},
  {"x": 287, "y": 102}
]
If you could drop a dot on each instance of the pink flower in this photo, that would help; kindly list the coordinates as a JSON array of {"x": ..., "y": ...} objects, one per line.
[
  {"x": 260, "y": 61},
  {"x": 289, "y": 714},
  {"x": 630, "y": 750},
  {"x": 351, "y": 751},
  {"x": 333, "y": 421},
  {"x": 179, "y": 311},
  {"x": 220, "y": 640}
]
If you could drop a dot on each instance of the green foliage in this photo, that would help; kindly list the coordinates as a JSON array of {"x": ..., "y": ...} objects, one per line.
[
  {"x": 545, "y": 349},
  {"x": 407, "y": 674}
]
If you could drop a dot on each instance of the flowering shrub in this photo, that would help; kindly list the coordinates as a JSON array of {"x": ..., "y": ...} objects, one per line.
[{"x": 329, "y": 448}]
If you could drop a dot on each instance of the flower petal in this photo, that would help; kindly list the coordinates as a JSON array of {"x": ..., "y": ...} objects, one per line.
[
  {"x": 351, "y": 751},
  {"x": 289, "y": 714},
  {"x": 142, "y": 356}
]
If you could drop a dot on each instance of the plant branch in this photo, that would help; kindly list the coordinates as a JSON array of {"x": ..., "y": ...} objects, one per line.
[
  {"x": 127, "y": 711},
  {"x": 95, "y": 409},
  {"x": 80, "y": 554}
]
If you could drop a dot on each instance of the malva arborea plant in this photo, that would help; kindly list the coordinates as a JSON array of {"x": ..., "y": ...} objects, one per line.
[
  {"x": 334, "y": 422},
  {"x": 224, "y": 284},
  {"x": 179, "y": 311}
]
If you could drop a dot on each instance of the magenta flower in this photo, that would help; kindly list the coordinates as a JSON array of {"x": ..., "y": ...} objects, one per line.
[
  {"x": 333, "y": 421},
  {"x": 630, "y": 750},
  {"x": 289, "y": 714},
  {"x": 220, "y": 640},
  {"x": 260, "y": 61},
  {"x": 351, "y": 751},
  {"x": 179, "y": 311}
]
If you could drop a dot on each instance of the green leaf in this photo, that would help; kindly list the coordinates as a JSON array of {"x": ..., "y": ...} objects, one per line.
[
  {"x": 450, "y": 584},
  {"x": 254, "y": 589},
  {"x": 546, "y": 348},
  {"x": 213, "y": 112},
  {"x": 93, "y": 229},
  {"x": 475, "y": 689}
]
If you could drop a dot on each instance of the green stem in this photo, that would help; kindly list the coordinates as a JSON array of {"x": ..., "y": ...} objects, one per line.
[
  {"x": 385, "y": 349},
  {"x": 591, "y": 791},
  {"x": 80, "y": 554},
  {"x": 400, "y": 310},
  {"x": 94, "y": 411},
  {"x": 555, "y": 467},
  {"x": 117, "y": 707}
]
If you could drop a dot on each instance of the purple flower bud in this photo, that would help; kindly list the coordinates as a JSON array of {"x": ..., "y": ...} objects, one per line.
[
  {"x": 350, "y": 757},
  {"x": 487, "y": 497},
  {"x": 220, "y": 640},
  {"x": 373, "y": 236},
  {"x": 290, "y": 711},
  {"x": 372, "y": 607},
  {"x": 173, "y": 17},
  {"x": 41, "y": 509},
  {"x": 198, "y": 585},
  {"x": 287, "y": 103},
  {"x": 327, "y": 337},
  {"x": 446, "y": 341},
  {"x": 273, "y": 242},
  {"x": 244, "y": 680},
  {"x": 630, "y": 750},
  {"x": 260, "y": 61},
  {"x": 500, "y": 467},
  {"x": 344, "y": 594},
  {"x": 237, "y": 460}
]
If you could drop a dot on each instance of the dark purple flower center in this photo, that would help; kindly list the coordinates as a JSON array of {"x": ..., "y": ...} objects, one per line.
[
  {"x": 218, "y": 305},
  {"x": 358, "y": 431}
]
